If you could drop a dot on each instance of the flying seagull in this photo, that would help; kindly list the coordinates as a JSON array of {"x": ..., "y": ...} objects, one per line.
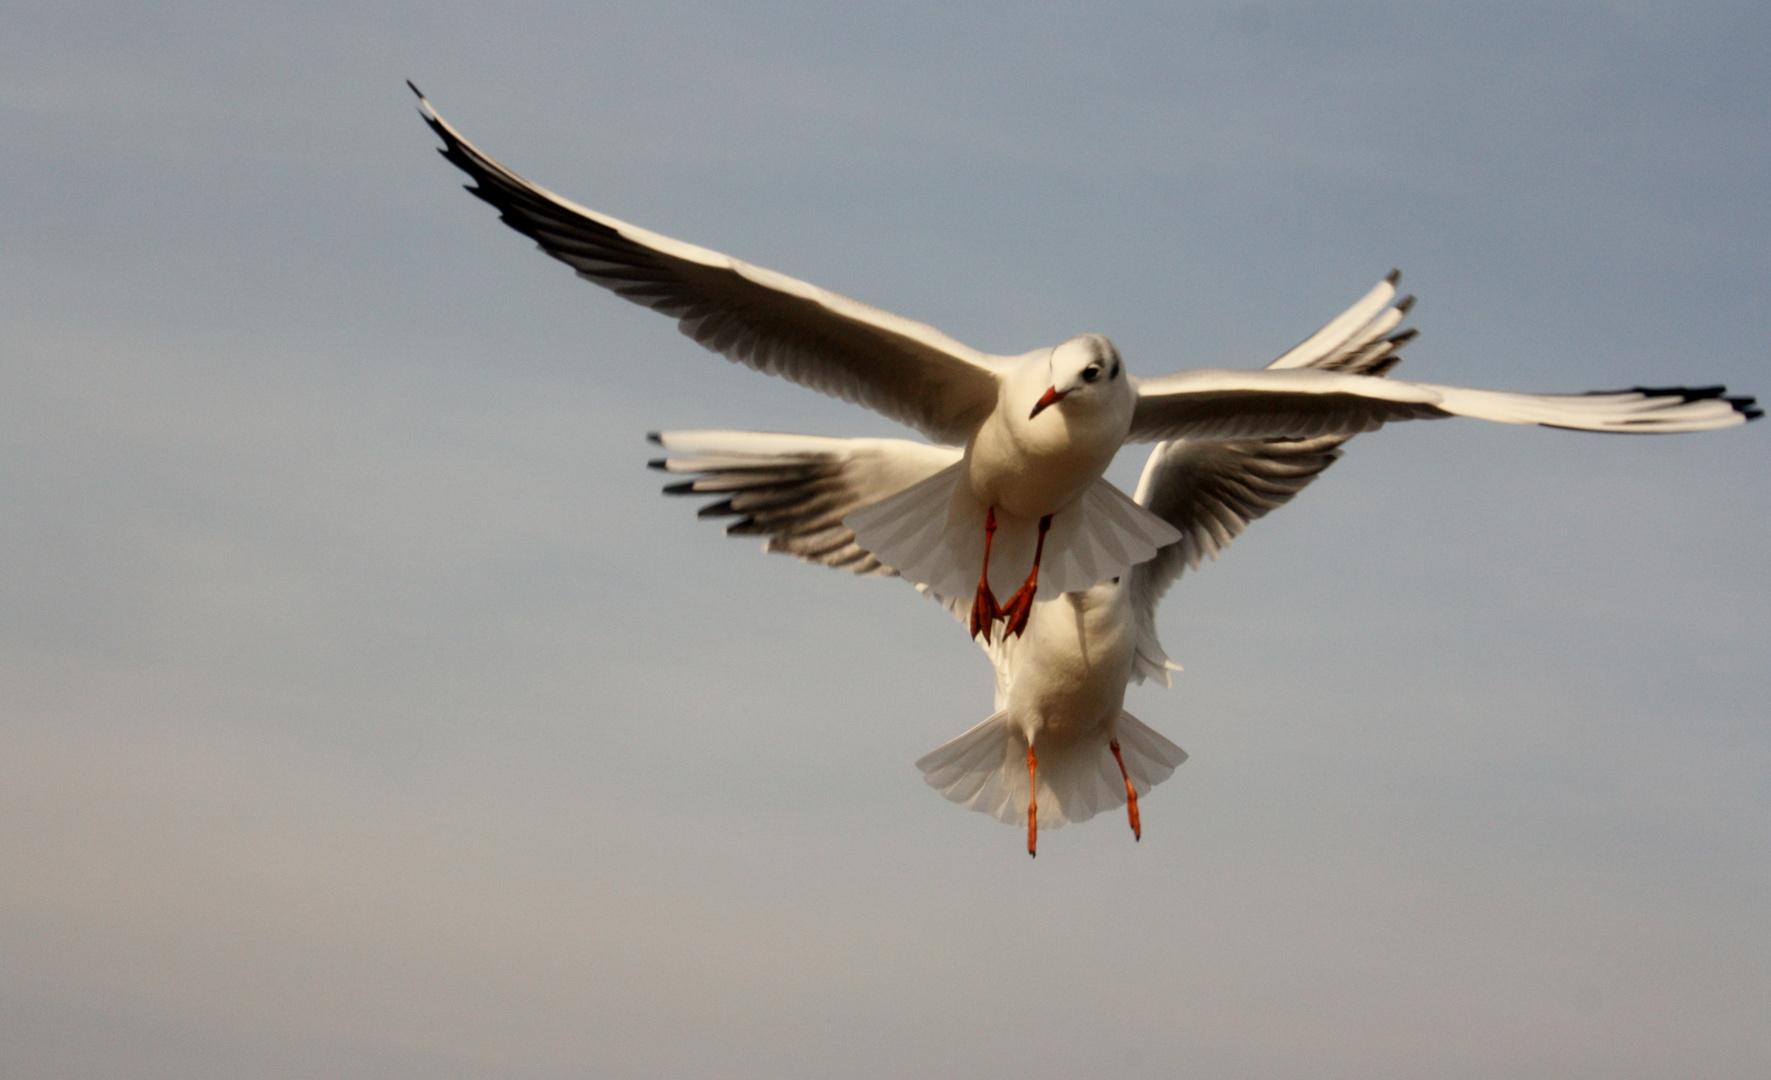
[
  {"x": 1059, "y": 746},
  {"x": 1037, "y": 430}
]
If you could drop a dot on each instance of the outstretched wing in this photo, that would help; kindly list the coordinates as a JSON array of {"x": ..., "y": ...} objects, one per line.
[
  {"x": 778, "y": 325},
  {"x": 1362, "y": 340},
  {"x": 796, "y": 489},
  {"x": 1300, "y": 403},
  {"x": 1210, "y": 491},
  {"x": 1324, "y": 386}
]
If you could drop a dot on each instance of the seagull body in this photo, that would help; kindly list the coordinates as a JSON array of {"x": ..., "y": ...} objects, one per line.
[
  {"x": 1060, "y": 708},
  {"x": 1028, "y": 461},
  {"x": 1026, "y": 506},
  {"x": 1059, "y": 746}
]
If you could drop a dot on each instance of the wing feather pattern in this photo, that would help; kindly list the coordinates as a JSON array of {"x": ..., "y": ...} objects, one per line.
[
  {"x": 1302, "y": 403},
  {"x": 768, "y": 321},
  {"x": 1211, "y": 491},
  {"x": 1324, "y": 387},
  {"x": 1354, "y": 340},
  {"x": 795, "y": 490}
]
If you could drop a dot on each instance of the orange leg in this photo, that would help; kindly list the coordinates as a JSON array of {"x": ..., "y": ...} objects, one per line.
[
  {"x": 984, "y": 609},
  {"x": 1020, "y": 605},
  {"x": 1131, "y": 793},
  {"x": 1032, "y": 803}
]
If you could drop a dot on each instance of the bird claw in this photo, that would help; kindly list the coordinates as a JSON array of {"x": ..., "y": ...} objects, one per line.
[
  {"x": 1020, "y": 605},
  {"x": 984, "y": 612},
  {"x": 1016, "y": 611},
  {"x": 1131, "y": 792}
]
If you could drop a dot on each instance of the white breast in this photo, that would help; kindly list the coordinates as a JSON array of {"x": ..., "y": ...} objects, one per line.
[{"x": 1069, "y": 671}]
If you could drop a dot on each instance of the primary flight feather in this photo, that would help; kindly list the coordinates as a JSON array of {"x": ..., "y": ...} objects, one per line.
[
  {"x": 1059, "y": 746},
  {"x": 1025, "y": 505}
]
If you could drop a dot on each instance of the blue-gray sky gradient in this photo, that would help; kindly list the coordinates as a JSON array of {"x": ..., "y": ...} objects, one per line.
[{"x": 368, "y": 714}]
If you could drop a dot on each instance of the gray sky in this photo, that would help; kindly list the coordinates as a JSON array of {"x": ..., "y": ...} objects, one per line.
[{"x": 367, "y": 713}]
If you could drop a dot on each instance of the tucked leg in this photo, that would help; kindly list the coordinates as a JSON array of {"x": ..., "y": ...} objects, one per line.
[
  {"x": 1020, "y": 605},
  {"x": 1131, "y": 793},
  {"x": 984, "y": 608},
  {"x": 1032, "y": 803}
]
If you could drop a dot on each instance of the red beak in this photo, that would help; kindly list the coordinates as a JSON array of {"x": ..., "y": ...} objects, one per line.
[{"x": 1051, "y": 397}]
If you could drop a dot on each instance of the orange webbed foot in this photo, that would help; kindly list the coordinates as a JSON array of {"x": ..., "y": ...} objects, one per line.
[
  {"x": 1020, "y": 605},
  {"x": 1016, "y": 611},
  {"x": 984, "y": 608},
  {"x": 984, "y": 612},
  {"x": 1131, "y": 793}
]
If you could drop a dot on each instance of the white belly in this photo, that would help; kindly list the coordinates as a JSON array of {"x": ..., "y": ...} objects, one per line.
[
  {"x": 1029, "y": 471},
  {"x": 1067, "y": 675}
]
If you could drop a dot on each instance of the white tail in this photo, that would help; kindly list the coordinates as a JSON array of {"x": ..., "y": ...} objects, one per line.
[
  {"x": 933, "y": 534},
  {"x": 986, "y": 769},
  {"x": 912, "y": 526}
]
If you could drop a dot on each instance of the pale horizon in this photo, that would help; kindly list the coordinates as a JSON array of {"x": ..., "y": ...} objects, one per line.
[{"x": 370, "y": 714}]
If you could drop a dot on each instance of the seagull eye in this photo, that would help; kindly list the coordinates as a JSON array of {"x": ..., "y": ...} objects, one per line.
[{"x": 1091, "y": 373}]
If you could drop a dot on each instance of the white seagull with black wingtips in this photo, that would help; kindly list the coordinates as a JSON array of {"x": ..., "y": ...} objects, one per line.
[
  {"x": 1026, "y": 505},
  {"x": 1059, "y": 746}
]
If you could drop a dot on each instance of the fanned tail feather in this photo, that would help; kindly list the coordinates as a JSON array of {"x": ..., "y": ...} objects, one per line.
[
  {"x": 932, "y": 533},
  {"x": 909, "y": 531},
  {"x": 985, "y": 770},
  {"x": 1099, "y": 536}
]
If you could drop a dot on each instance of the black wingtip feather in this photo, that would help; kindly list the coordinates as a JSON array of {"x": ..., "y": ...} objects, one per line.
[
  {"x": 1744, "y": 405},
  {"x": 655, "y": 437},
  {"x": 661, "y": 464},
  {"x": 415, "y": 89},
  {"x": 1405, "y": 304},
  {"x": 1393, "y": 276},
  {"x": 687, "y": 487},
  {"x": 1684, "y": 393}
]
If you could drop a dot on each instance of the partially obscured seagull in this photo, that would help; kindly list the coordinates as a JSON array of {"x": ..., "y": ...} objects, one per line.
[
  {"x": 1060, "y": 746},
  {"x": 1037, "y": 430}
]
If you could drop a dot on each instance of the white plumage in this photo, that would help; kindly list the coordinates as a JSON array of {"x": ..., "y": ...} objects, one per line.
[
  {"x": 1038, "y": 430},
  {"x": 1060, "y": 687}
]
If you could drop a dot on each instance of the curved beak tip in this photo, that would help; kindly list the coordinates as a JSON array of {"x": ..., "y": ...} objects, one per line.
[{"x": 1049, "y": 398}]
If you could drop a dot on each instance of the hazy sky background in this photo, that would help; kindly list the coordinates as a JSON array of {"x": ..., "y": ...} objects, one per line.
[{"x": 365, "y": 712}]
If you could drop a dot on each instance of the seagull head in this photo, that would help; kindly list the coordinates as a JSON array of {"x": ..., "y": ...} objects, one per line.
[{"x": 1086, "y": 373}]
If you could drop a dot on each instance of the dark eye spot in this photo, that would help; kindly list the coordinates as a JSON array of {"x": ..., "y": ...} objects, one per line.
[
  {"x": 1091, "y": 373},
  {"x": 1114, "y": 374}
]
